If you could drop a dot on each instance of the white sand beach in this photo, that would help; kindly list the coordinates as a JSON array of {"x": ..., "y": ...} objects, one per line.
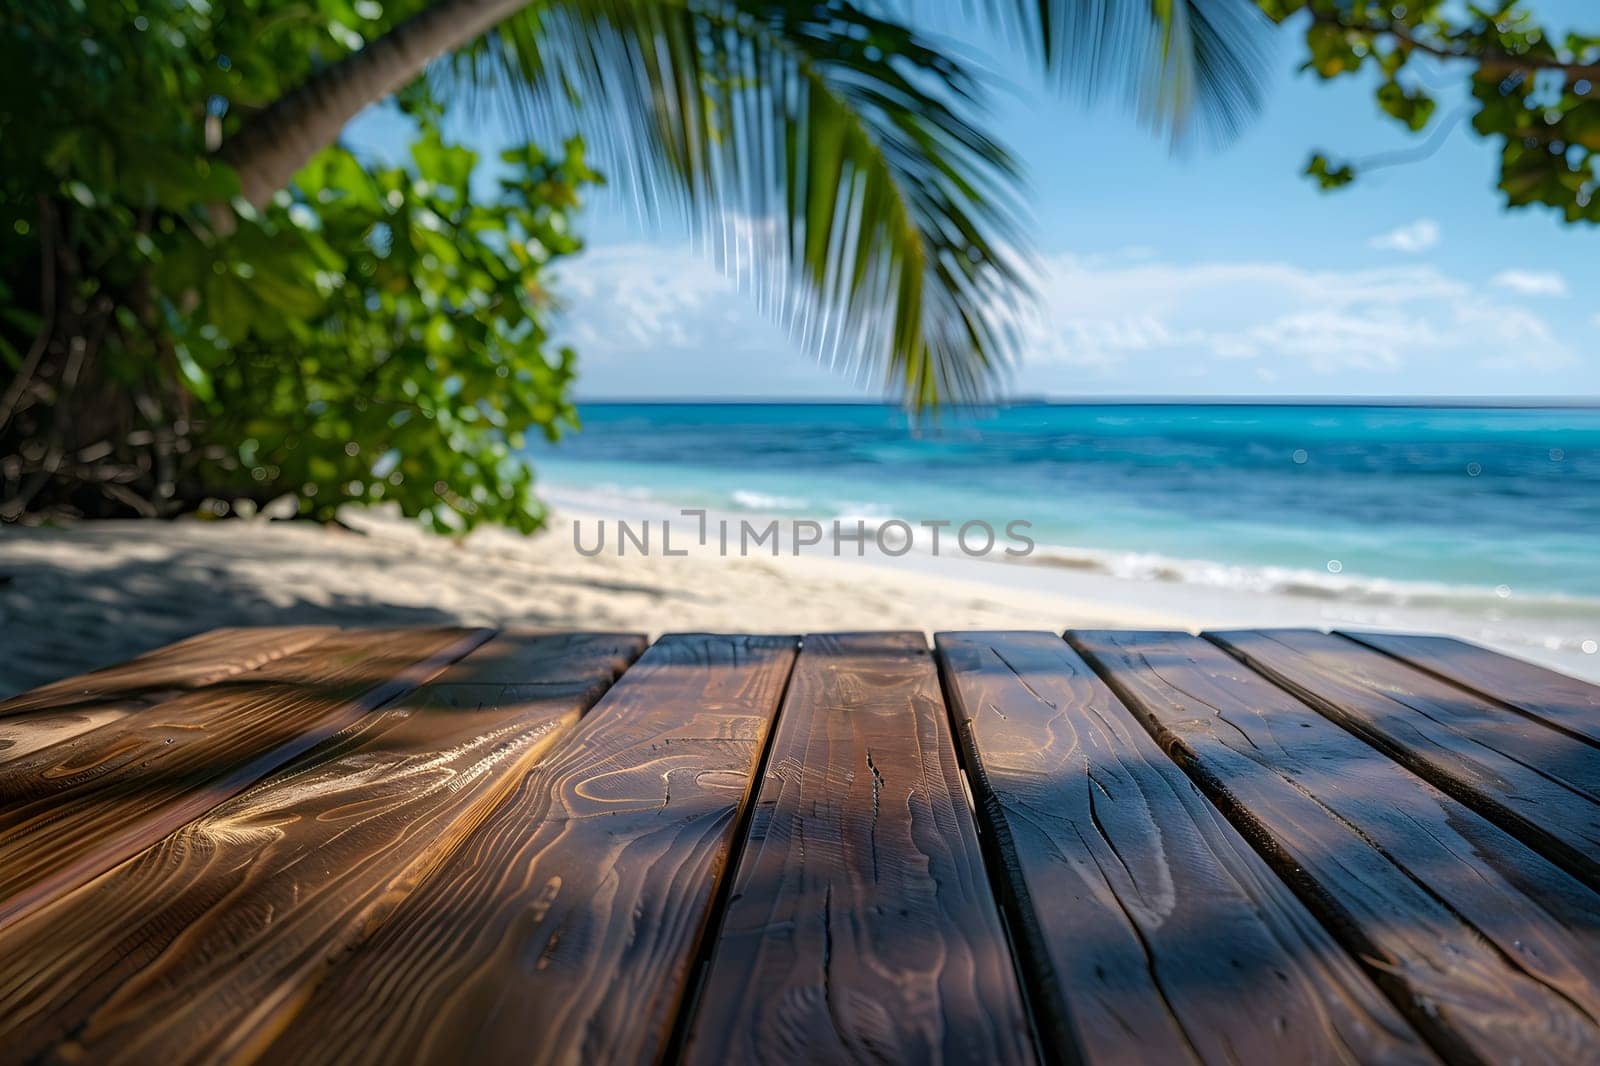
[{"x": 80, "y": 597}]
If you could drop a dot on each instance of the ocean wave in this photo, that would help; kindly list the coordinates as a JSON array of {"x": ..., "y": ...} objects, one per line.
[
  {"x": 761, "y": 501},
  {"x": 870, "y": 515},
  {"x": 1310, "y": 584}
]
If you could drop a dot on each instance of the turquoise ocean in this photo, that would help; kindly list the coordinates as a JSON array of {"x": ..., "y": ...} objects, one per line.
[{"x": 1496, "y": 505}]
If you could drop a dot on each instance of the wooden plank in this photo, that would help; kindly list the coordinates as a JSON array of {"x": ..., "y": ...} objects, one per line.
[
  {"x": 554, "y": 657},
  {"x": 564, "y": 928},
  {"x": 186, "y": 663},
  {"x": 73, "y": 810},
  {"x": 1493, "y": 951},
  {"x": 193, "y": 948},
  {"x": 64, "y": 709},
  {"x": 1562, "y": 701},
  {"x": 1540, "y": 784},
  {"x": 1147, "y": 927},
  {"x": 861, "y": 925}
]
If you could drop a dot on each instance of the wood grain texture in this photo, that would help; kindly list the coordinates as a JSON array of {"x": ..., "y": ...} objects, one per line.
[
  {"x": 1539, "y": 783},
  {"x": 861, "y": 927},
  {"x": 564, "y": 928},
  {"x": 554, "y": 657},
  {"x": 64, "y": 709},
  {"x": 1493, "y": 951},
  {"x": 188, "y": 951},
  {"x": 1562, "y": 701},
  {"x": 71, "y": 811},
  {"x": 1150, "y": 930}
]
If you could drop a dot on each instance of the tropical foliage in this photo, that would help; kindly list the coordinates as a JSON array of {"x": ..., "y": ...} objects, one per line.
[
  {"x": 207, "y": 303},
  {"x": 374, "y": 332},
  {"x": 1533, "y": 90},
  {"x": 419, "y": 358}
]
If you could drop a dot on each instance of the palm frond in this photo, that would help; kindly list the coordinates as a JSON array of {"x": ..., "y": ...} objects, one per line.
[
  {"x": 835, "y": 152},
  {"x": 1195, "y": 68}
]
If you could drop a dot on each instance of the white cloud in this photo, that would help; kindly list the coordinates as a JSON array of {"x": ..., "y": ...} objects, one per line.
[
  {"x": 1099, "y": 313},
  {"x": 1531, "y": 282},
  {"x": 640, "y": 294},
  {"x": 1512, "y": 338},
  {"x": 662, "y": 320},
  {"x": 1419, "y": 236}
]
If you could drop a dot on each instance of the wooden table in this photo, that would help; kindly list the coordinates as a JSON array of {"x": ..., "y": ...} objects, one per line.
[{"x": 319, "y": 846}]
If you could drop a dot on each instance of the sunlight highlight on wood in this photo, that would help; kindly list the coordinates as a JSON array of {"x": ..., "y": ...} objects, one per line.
[
  {"x": 565, "y": 926},
  {"x": 71, "y": 811},
  {"x": 192, "y": 949},
  {"x": 58, "y": 712}
]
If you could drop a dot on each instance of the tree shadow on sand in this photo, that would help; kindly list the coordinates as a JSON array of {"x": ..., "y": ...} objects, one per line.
[{"x": 58, "y": 621}]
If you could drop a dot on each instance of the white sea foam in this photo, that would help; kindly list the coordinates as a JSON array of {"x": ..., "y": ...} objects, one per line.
[
  {"x": 761, "y": 501},
  {"x": 1310, "y": 584},
  {"x": 1554, "y": 628},
  {"x": 870, "y": 515}
]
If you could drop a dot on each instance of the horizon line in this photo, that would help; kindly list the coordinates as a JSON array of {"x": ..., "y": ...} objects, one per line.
[{"x": 1121, "y": 400}]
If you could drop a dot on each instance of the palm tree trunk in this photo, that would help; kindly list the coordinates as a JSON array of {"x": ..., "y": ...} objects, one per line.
[{"x": 275, "y": 143}]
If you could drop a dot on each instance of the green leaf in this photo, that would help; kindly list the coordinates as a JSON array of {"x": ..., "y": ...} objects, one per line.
[
  {"x": 194, "y": 377},
  {"x": 885, "y": 218},
  {"x": 1328, "y": 175},
  {"x": 1413, "y": 107}
]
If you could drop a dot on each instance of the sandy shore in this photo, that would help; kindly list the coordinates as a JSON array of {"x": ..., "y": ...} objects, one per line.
[{"x": 82, "y": 597}]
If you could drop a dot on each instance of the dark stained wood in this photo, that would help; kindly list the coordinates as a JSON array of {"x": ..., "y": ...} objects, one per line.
[
  {"x": 554, "y": 657},
  {"x": 1493, "y": 951},
  {"x": 247, "y": 848},
  {"x": 1562, "y": 701},
  {"x": 1148, "y": 927},
  {"x": 861, "y": 925},
  {"x": 64, "y": 709},
  {"x": 73, "y": 810},
  {"x": 191, "y": 949},
  {"x": 1541, "y": 784},
  {"x": 564, "y": 928}
]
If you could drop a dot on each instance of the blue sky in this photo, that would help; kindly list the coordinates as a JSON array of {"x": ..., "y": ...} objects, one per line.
[{"x": 1209, "y": 272}]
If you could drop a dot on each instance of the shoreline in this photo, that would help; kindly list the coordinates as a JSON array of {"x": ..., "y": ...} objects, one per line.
[
  {"x": 85, "y": 596},
  {"x": 1552, "y": 630},
  {"x": 1136, "y": 566}
]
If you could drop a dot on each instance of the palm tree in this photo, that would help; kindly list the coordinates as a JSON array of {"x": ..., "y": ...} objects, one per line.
[{"x": 846, "y": 141}]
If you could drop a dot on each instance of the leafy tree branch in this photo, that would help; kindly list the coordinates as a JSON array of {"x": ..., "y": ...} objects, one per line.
[{"x": 1536, "y": 92}]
